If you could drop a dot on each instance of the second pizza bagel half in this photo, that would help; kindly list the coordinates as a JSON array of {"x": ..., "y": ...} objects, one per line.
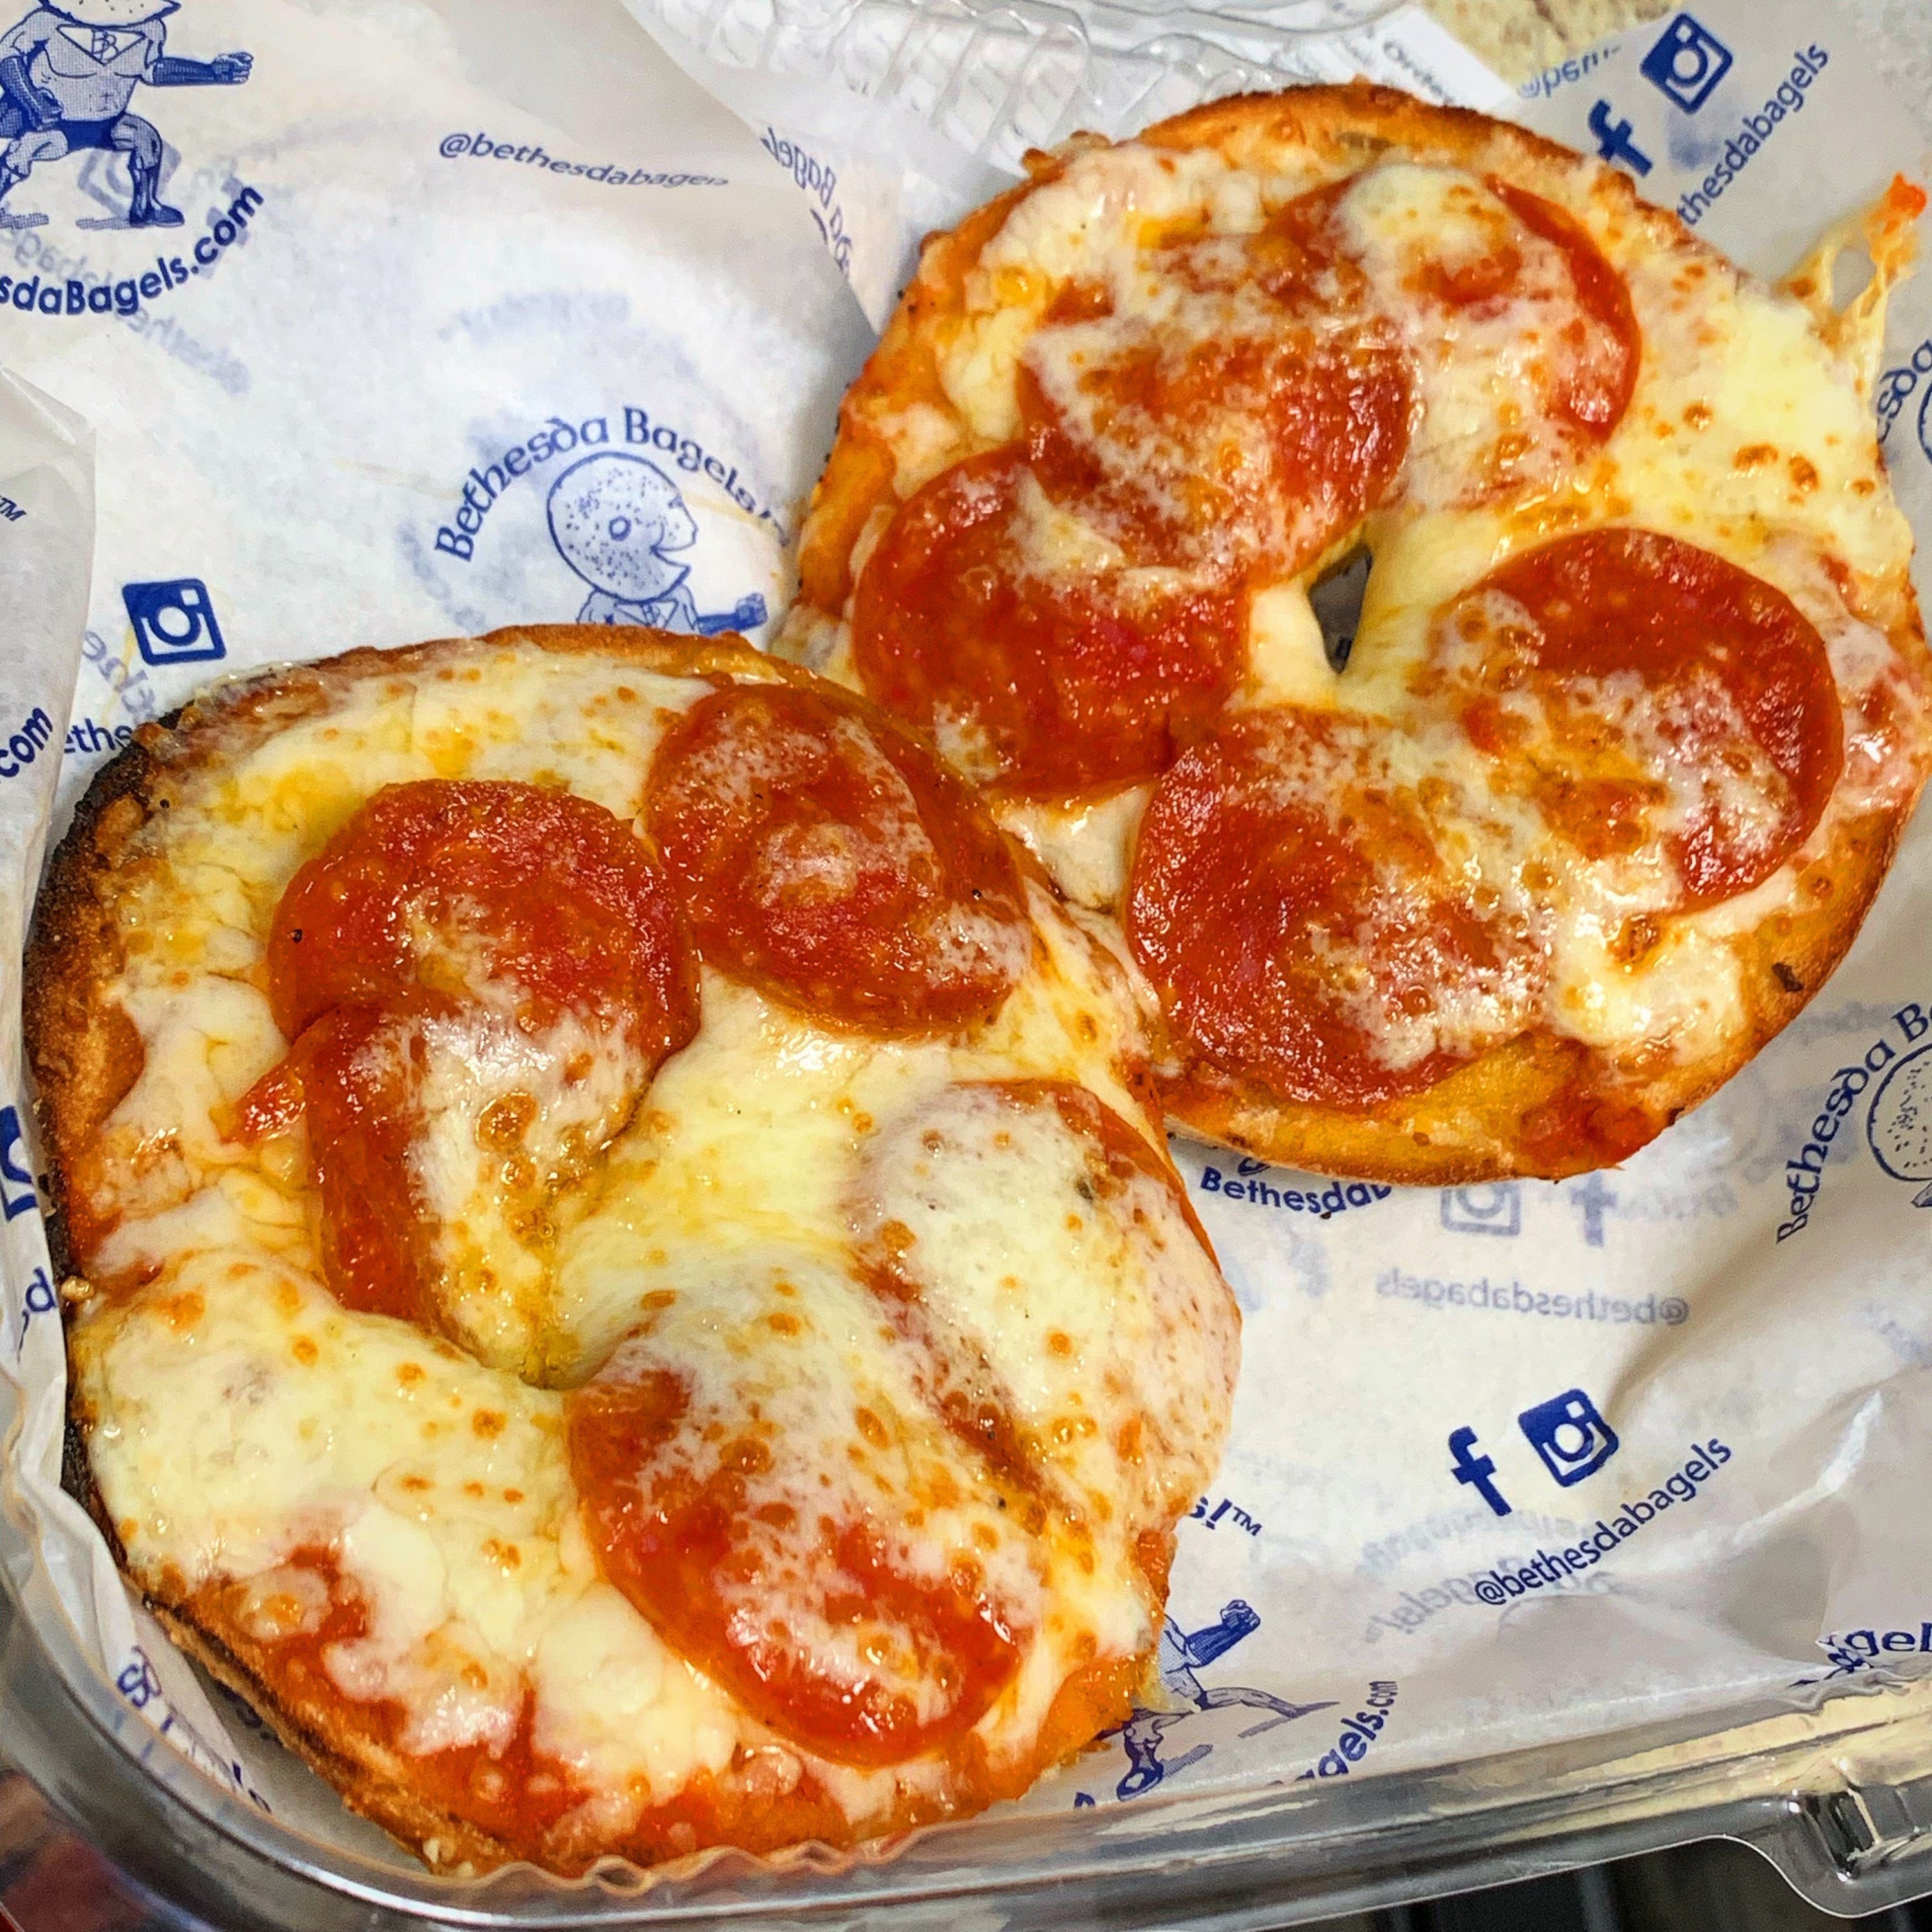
[{"x": 1636, "y": 705}]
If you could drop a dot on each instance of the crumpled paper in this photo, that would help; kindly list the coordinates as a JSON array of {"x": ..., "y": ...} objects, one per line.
[{"x": 445, "y": 273}]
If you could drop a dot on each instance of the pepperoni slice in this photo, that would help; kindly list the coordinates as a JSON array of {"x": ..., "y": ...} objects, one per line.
[
  {"x": 823, "y": 855},
  {"x": 1091, "y": 1396},
  {"x": 1541, "y": 273},
  {"x": 812, "y": 1546},
  {"x": 1294, "y": 912},
  {"x": 1238, "y": 454},
  {"x": 437, "y": 890},
  {"x": 1123, "y": 1153},
  {"x": 438, "y": 900},
  {"x": 1245, "y": 430},
  {"x": 1523, "y": 340},
  {"x": 1594, "y": 386},
  {"x": 937, "y": 1166},
  {"x": 1634, "y": 682},
  {"x": 1040, "y": 682}
]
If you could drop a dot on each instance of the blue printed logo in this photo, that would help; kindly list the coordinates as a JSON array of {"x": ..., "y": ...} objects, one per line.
[
  {"x": 1478, "y": 1471},
  {"x": 1592, "y": 1200},
  {"x": 1184, "y": 1655},
  {"x": 1568, "y": 1433},
  {"x": 1614, "y": 142},
  {"x": 1495, "y": 1208},
  {"x": 16, "y": 1181},
  {"x": 619, "y": 522},
  {"x": 1687, "y": 61},
  {"x": 1899, "y": 1126},
  {"x": 618, "y": 517},
  {"x": 174, "y": 621},
  {"x": 68, "y": 70}
]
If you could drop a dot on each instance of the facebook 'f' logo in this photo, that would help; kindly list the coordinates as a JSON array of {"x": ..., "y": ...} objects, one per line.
[
  {"x": 1688, "y": 61},
  {"x": 1614, "y": 142},
  {"x": 1478, "y": 1471},
  {"x": 1574, "y": 1440}
]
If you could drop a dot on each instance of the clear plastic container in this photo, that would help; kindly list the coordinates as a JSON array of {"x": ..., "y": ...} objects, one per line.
[
  {"x": 1838, "y": 1797},
  {"x": 997, "y": 77}
]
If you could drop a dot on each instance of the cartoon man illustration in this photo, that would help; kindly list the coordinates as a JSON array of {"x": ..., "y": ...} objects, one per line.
[
  {"x": 68, "y": 70},
  {"x": 1183, "y": 1653},
  {"x": 617, "y": 520}
]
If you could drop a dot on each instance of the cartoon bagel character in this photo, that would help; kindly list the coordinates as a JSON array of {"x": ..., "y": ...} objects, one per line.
[
  {"x": 67, "y": 71},
  {"x": 615, "y": 519},
  {"x": 1899, "y": 1126}
]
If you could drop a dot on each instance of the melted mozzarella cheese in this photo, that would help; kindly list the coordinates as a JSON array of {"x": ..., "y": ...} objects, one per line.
[
  {"x": 1002, "y": 1228},
  {"x": 513, "y": 1120},
  {"x": 1087, "y": 846},
  {"x": 1287, "y": 659},
  {"x": 1053, "y": 542},
  {"x": 241, "y": 1415},
  {"x": 1485, "y": 372}
]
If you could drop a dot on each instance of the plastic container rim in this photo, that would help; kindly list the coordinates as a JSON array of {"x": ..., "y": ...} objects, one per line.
[{"x": 1775, "y": 1776}]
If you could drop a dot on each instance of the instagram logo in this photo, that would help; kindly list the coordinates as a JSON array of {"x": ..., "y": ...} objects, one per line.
[
  {"x": 174, "y": 621},
  {"x": 1574, "y": 1440},
  {"x": 1686, "y": 62}
]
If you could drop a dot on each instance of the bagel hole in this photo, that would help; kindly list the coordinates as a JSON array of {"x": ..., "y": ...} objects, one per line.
[
  {"x": 1337, "y": 601},
  {"x": 1851, "y": 276}
]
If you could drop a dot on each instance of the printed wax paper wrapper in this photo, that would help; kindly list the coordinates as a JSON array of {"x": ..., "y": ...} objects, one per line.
[{"x": 446, "y": 270}]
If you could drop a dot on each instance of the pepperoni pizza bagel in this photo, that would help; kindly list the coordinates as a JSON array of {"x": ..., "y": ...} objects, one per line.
[
  {"x": 1637, "y": 704},
  {"x": 626, "y": 1290}
]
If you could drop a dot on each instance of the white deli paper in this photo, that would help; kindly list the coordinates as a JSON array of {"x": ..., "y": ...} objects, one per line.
[{"x": 1510, "y": 1463}]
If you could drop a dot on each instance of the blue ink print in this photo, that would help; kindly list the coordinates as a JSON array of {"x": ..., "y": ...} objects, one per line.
[
  {"x": 1494, "y": 1207},
  {"x": 1688, "y": 61},
  {"x": 174, "y": 621},
  {"x": 1900, "y": 1124},
  {"x": 619, "y": 522},
  {"x": 68, "y": 70},
  {"x": 1183, "y": 1655},
  {"x": 1570, "y": 1434}
]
